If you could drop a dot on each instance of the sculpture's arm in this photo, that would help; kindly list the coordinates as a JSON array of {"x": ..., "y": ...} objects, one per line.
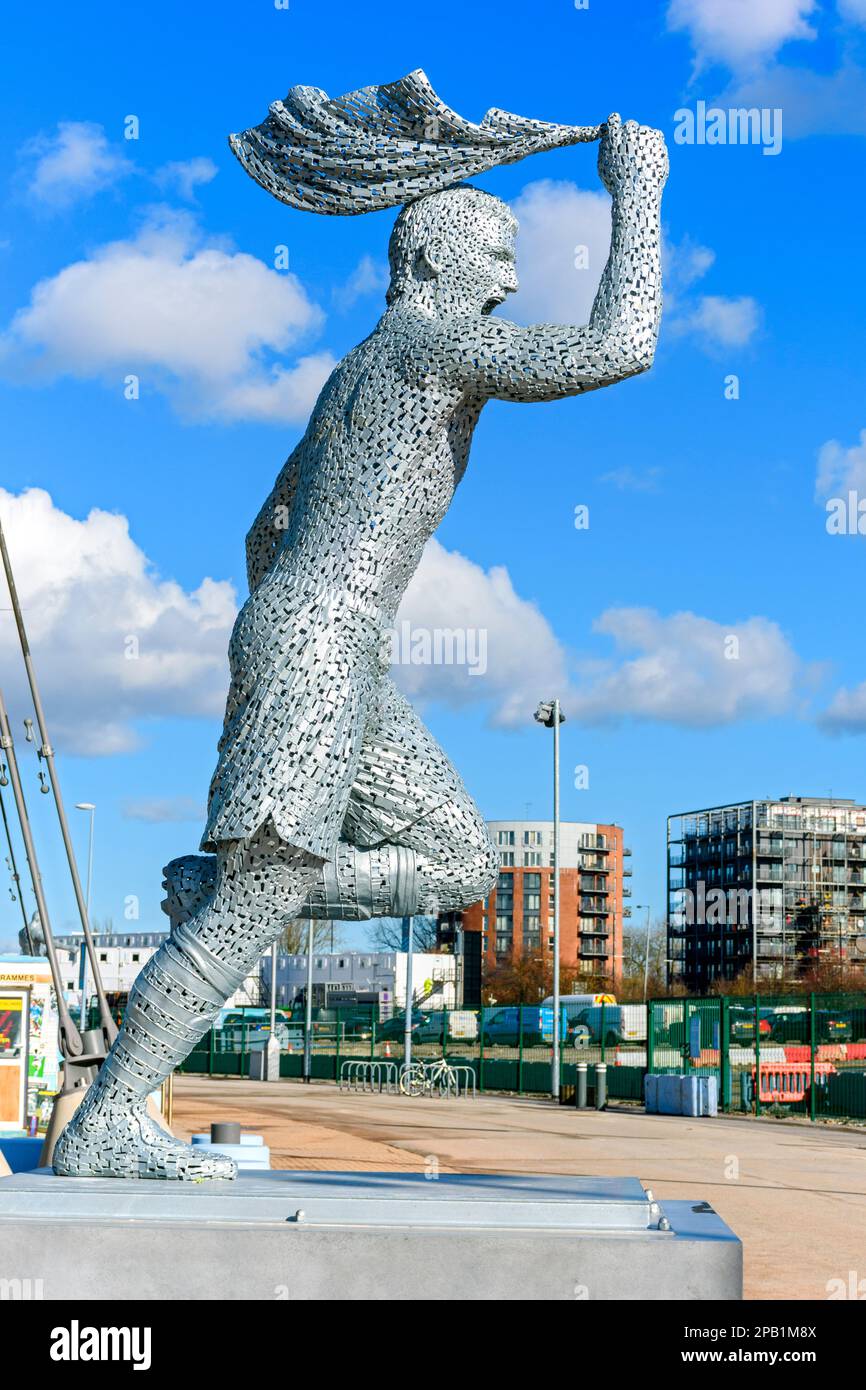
[
  {"x": 545, "y": 362},
  {"x": 267, "y": 531}
]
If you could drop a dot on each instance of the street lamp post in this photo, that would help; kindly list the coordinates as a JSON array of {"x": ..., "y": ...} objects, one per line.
[
  {"x": 550, "y": 715},
  {"x": 407, "y": 1018},
  {"x": 86, "y": 806},
  {"x": 645, "y": 907}
]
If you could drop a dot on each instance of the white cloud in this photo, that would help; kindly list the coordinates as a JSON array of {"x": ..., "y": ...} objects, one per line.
[
  {"x": 369, "y": 277},
  {"x": 814, "y": 103},
  {"x": 159, "y": 810},
  {"x": 683, "y": 264},
  {"x": 557, "y": 219},
  {"x": 113, "y": 642},
  {"x": 628, "y": 479},
  {"x": 523, "y": 657},
  {"x": 188, "y": 315},
  {"x": 687, "y": 670},
  {"x": 846, "y": 713},
  {"x": 719, "y": 321},
  {"x": 185, "y": 175},
  {"x": 853, "y": 10},
  {"x": 73, "y": 164},
  {"x": 841, "y": 469},
  {"x": 740, "y": 33}
]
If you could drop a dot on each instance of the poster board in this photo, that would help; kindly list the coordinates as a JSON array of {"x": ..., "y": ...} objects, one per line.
[
  {"x": 33, "y": 973},
  {"x": 14, "y": 1057}
]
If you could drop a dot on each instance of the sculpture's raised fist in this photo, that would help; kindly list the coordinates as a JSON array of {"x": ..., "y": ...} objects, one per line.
[{"x": 631, "y": 154}]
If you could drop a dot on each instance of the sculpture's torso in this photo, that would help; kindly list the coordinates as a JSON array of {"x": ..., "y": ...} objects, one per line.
[{"x": 377, "y": 468}]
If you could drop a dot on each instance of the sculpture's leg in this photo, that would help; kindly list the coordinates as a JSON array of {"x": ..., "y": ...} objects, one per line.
[
  {"x": 172, "y": 1004},
  {"x": 413, "y": 840}
]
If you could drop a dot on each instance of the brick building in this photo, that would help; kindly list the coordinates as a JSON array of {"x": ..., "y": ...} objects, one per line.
[{"x": 518, "y": 915}]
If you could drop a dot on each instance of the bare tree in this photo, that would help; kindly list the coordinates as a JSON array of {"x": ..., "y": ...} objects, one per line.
[
  {"x": 386, "y": 933},
  {"x": 294, "y": 938}
]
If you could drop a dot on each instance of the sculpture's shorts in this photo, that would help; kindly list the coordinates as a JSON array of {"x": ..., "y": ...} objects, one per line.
[{"x": 306, "y": 669}]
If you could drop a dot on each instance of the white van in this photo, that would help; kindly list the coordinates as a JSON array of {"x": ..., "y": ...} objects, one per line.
[{"x": 572, "y": 1004}]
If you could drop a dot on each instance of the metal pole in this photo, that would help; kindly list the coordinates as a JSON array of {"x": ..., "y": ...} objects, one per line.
[
  {"x": 46, "y": 754},
  {"x": 308, "y": 1006},
  {"x": 646, "y": 955},
  {"x": 70, "y": 1038},
  {"x": 13, "y": 867},
  {"x": 407, "y": 1035},
  {"x": 273, "y": 989},
  {"x": 554, "y": 1088},
  {"x": 86, "y": 806}
]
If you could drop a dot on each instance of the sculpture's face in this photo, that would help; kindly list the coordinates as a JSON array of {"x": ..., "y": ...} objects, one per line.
[
  {"x": 476, "y": 265},
  {"x": 496, "y": 258},
  {"x": 453, "y": 253}
]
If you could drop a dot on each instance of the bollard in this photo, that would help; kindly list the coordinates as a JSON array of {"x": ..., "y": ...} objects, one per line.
[
  {"x": 580, "y": 1087},
  {"x": 600, "y": 1085},
  {"x": 225, "y": 1132}
]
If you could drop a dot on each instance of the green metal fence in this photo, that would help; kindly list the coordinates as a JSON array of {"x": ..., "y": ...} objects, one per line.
[
  {"x": 779, "y": 1055},
  {"x": 775, "y": 1054}
]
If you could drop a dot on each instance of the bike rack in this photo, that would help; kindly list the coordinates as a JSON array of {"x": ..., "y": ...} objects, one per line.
[
  {"x": 369, "y": 1077},
  {"x": 461, "y": 1081}
]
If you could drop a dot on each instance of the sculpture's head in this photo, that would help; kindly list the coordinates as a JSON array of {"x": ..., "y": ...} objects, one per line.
[
  {"x": 453, "y": 252},
  {"x": 189, "y": 882}
]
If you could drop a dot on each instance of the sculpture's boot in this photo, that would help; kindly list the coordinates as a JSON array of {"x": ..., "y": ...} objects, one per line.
[
  {"x": 358, "y": 884},
  {"x": 172, "y": 1004}
]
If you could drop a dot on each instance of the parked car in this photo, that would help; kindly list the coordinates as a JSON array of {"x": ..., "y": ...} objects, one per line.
[
  {"x": 794, "y": 1026},
  {"x": 741, "y": 1024},
  {"x": 251, "y": 1028},
  {"x": 502, "y": 1027},
  {"x": 591, "y": 1026}
]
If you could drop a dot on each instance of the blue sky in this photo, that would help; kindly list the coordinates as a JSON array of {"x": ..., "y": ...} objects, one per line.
[{"x": 154, "y": 257}]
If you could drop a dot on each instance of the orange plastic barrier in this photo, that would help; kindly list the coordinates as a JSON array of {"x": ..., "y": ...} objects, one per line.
[{"x": 789, "y": 1082}]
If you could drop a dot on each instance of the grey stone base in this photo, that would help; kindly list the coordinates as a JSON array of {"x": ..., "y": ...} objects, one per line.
[{"x": 367, "y": 1236}]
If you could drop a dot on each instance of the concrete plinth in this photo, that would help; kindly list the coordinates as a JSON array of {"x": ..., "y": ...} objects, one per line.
[{"x": 366, "y": 1236}]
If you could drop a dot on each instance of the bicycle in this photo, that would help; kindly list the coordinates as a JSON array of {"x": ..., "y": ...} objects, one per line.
[{"x": 422, "y": 1078}]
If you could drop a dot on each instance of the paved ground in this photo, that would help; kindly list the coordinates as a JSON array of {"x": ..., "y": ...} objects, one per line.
[{"x": 796, "y": 1195}]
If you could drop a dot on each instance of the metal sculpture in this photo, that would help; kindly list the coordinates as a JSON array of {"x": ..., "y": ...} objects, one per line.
[{"x": 330, "y": 797}]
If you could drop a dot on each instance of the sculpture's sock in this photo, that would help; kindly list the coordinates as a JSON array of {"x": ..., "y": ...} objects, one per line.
[
  {"x": 173, "y": 1002},
  {"x": 357, "y": 884}
]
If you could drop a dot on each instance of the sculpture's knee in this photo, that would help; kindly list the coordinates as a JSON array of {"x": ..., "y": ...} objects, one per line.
[
  {"x": 466, "y": 880},
  {"x": 484, "y": 869}
]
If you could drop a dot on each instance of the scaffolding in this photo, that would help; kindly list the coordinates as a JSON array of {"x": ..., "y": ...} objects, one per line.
[{"x": 786, "y": 881}]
